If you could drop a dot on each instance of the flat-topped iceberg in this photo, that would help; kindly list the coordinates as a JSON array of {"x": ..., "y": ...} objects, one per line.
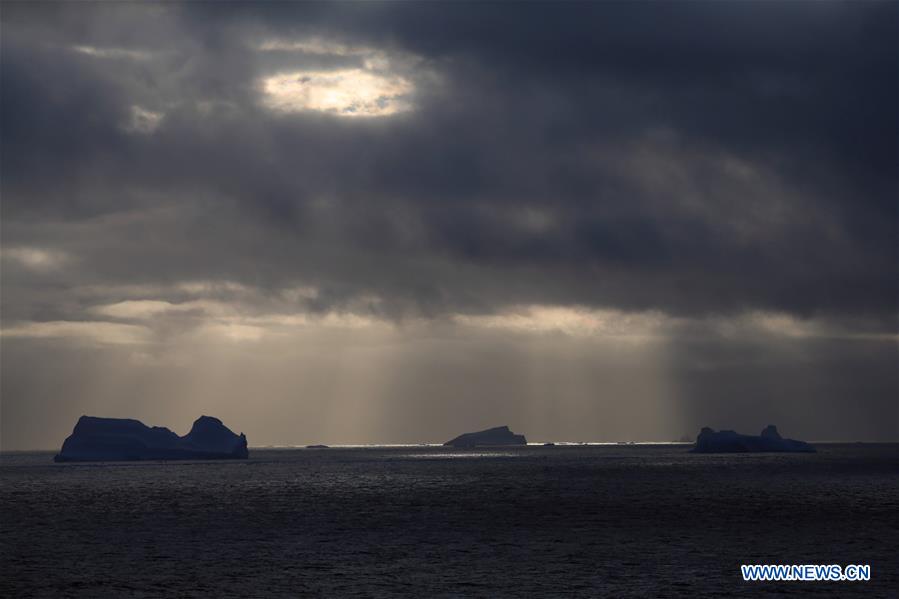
[
  {"x": 113, "y": 439},
  {"x": 710, "y": 441},
  {"x": 500, "y": 435}
]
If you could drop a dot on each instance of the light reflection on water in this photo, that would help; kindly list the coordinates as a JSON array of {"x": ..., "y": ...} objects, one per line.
[{"x": 459, "y": 454}]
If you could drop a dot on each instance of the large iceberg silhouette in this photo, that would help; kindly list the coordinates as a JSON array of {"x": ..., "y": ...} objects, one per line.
[
  {"x": 107, "y": 439},
  {"x": 500, "y": 435},
  {"x": 710, "y": 441}
]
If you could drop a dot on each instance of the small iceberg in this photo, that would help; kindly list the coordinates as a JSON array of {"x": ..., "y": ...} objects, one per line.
[
  {"x": 710, "y": 441},
  {"x": 500, "y": 435},
  {"x": 117, "y": 439}
]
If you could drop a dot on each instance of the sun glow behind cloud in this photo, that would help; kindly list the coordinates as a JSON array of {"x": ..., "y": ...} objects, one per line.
[
  {"x": 578, "y": 322},
  {"x": 126, "y": 53},
  {"x": 347, "y": 92},
  {"x": 225, "y": 310},
  {"x": 315, "y": 45},
  {"x": 367, "y": 84},
  {"x": 34, "y": 258}
]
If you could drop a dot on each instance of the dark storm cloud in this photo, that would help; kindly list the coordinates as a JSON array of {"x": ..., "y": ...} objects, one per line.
[
  {"x": 690, "y": 157},
  {"x": 709, "y": 186}
]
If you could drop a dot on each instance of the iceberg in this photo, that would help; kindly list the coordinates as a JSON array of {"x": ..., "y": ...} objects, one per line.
[
  {"x": 711, "y": 441},
  {"x": 500, "y": 435},
  {"x": 115, "y": 439}
]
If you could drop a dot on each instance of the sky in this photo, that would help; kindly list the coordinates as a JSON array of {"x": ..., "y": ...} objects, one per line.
[{"x": 394, "y": 223}]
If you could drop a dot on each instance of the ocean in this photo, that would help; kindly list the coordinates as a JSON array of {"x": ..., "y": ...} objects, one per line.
[{"x": 425, "y": 521}]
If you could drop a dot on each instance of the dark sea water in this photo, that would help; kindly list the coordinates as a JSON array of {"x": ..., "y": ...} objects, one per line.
[{"x": 588, "y": 521}]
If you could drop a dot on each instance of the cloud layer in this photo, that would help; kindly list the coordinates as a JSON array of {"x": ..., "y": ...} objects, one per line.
[{"x": 715, "y": 177}]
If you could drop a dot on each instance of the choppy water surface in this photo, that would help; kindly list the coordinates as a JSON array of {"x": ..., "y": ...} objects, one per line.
[{"x": 434, "y": 522}]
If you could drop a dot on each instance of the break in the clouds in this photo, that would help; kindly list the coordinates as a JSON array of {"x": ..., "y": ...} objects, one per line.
[{"x": 391, "y": 222}]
